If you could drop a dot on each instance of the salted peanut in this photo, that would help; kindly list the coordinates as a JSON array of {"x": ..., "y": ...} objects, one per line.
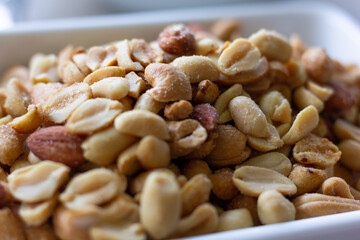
[
  {"x": 253, "y": 181},
  {"x": 6, "y": 197},
  {"x": 349, "y": 154},
  {"x": 206, "y": 92},
  {"x": 11, "y": 144},
  {"x": 355, "y": 193},
  {"x": 103, "y": 147},
  {"x": 121, "y": 230},
  {"x": 278, "y": 72},
  {"x": 20, "y": 162},
  {"x": 142, "y": 52},
  {"x": 234, "y": 219},
  {"x": 41, "y": 92},
  {"x": 297, "y": 73},
  {"x": 266, "y": 144},
  {"x": 94, "y": 187},
  {"x": 32, "y": 158},
  {"x": 274, "y": 160},
  {"x": 273, "y": 207},
  {"x": 318, "y": 64},
  {"x": 153, "y": 152},
  {"x": 343, "y": 172},
  {"x": 352, "y": 114},
  {"x": 36, "y": 214},
  {"x": 283, "y": 89},
  {"x": 80, "y": 61},
  {"x": 178, "y": 110},
  {"x": 10, "y": 226},
  {"x": 222, "y": 102},
  {"x": 127, "y": 162},
  {"x": 276, "y": 107},
  {"x": 147, "y": 102},
  {"x": 136, "y": 184},
  {"x": 28, "y": 122},
  {"x": 112, "y": 87},
  {"x": 322, "y": 92},
  {"x": 241, "y": 55},
  {"x": 177, "y": 39},
  {"x": 194, "y": 167},
  {"x": 16, "y": 71},
  {"x": 64, "y": 55},
  {"x": 272, "y": 45},
  {"x": 306, "y": 179},
  {"x": 123, "y": 56},
  {"x": 142, "y": 123},
  {"x": 259, "y": 86},
  {"x": 197, "y": 68},
  {"x": 112, "y": 71},
  {"x": 315, "y": 205},
  {"x": 316, "y": 151},
  {"x": 73, "y": 223},
  {"x": 5, "y": 120},
  {"x": 205, "y": 149},
  {"x": 282, "y": 129},
  {"x": 160, "y": 197},
  {"x": 38, "y": 182},
  {"x": 64, "y": 101},
  {"x": 168, "y": 82},
  {"x": 226, "y": 28},
  {"x": 43, "y": 232},
  {"x": 322, "y": 129},
  {"x": 222, "y": 183},
  {"x": 298, "y": 47},
  {"x": 248, "y": 117},
  {"x": 202, "y": 220},
  {"x": 207, "y": 45},
  {"x": 93, "y": 115},
  {"x": 17, "y": 98},
  {"x": 101, "y": 56},
  {"x": 336, "y": 186},
  {"x": 346, "y": 130},
  {"x": 244, "y": 201},
  {"x": 43, "y": 68},
  {"x": 303, "y": 98},
  {"x": 185, "y": 136},
  {"x": 136, "y": 85},
  {"x": 306, "y": 121},
  {"x": 71, "y": 73},
  {"x": 195, "y": 192}
]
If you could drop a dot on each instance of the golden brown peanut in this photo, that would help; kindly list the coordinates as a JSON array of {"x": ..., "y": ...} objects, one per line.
[
  {"x": 222, "y": 103},
  {"x": 274, "y": 160},
  {"x": 123, "y": 56},
  {"x": 38, "y": 182},
  {"x": 273, "y": 207},
  {"x": 20, "y": 162},
  {"x": 28, "y": 122},
  {"x": 341, "y": 101},
  {"x": 104, "y": 73},
  {"x": 64, "y": 101},
  {"x": 80, "y": 61},
  {"x": 142, "y": 52},
  {"x": 283, "y": 89},
  {"x": 316, "y": 151},
  {"x": 315, "y": 205},
  {"x": 253, "y": 181},
  {"x": 168, "y": 82},
  {"x": 266, "y": 144},
  {"x": 234, "y": 219},
  {"x": 322, "y": 129},
  {"x": 336, "y": 186},
  {"x": 202, "y": 220},
  {"x": 306, "y": 121},
  {"x": 10, "y": 226},
  {"x": 71, "y": 73},
  {"x": 207, "y": 45},
  {"x": 153, "y": 152},
  {"x": 297, "y": 72},
  {"x": 93, "y": 115},
  {"x": 346, "y": 130},
  {"x": 197, "y": 68},
  {"x": 303, "y": 98},
  {"x": 195, "y": 192},
  {"x": 276, "y": 107},
  {"x": 17, "y": 71},
  {"x": 43, "y": 68},
  {"x": 103, "y": 147},
  {"x": 226, "y": 28},
  {"x": 248, "y": 117},
  {"x": 178, "y": 110},
  {"x": 99, "y": 56},
  {"x": 6, "y": 120},
  {"x": 161, "y": 195},
  {"x": 339, "y": 170},
  {"x": 142, "y": 123},
  {"x": 127, "y": 103},
  {"x": 177, "y": 39},
  {"x": 355, "y": 193},
  {"x": 245, "y": 201},
  {"x": 298, "y": 47},
  {"x": 112, "y": 87},
  {"x": 322, "y": 92},
  {"x": 136, "y": 85},
  {"x": 318, "y": 64},
  {"x": 240, "y": 56},
  {"x": 352, "y": 114},
  {"x": 3, "y": 175},
  {"x": 272, "y": 45},
  {"x": 223, "y": 186},
  {"x": 127, "y": 162},
  {"x": 64, "y": 55},
  {"x": 43, "y": 232},
  {"x": 306, "y": 179},
  {"x": 194, "y": 167},
  {"x": 11, "y": 144},
  {"x": 185, "y": 136},
  {"x": 6, "y": 197},
  {"x": 94, "y": 187},
  {"x": 206, "y": 92},
  {"x": 205, "y": 149},
  {"x": 118, "y": 231},
  {"x": 36, "y": 214},
  {"x": 278, "y": 72},
  {"x": 147, "y": 102},
  {"x": 350, "y": 151},
  {"x": 229, "y": 149},
  {"x": 17, "y": 98},
  {"x": 41, "y": 92},
  {"x": 258, "y": 87}
]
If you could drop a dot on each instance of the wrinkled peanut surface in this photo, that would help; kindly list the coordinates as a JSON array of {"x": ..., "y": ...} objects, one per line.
[{"x": 200, "y": 131}]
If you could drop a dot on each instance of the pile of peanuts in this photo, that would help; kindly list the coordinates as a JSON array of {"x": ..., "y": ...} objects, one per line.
[{"x": 200, "y": 131}]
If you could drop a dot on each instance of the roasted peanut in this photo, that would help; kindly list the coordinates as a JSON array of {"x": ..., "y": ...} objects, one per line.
[
  {"x": 221, "y": 104},
  {"x": 17, "y": 98},
  {"x": 336, "y": 186},
  {"x": 123, "y": 56},
  {"x": 304, "y": 98},
  {"x": 234, "y": 219},
  {"x": 28, "y": 122},
  {"x": 206, "y": 92},
  {"x": 98, "y": 57},
  {"x": 341, "y": 101},
  {"x": 205, "y": 149},
  {"x": 276, "y": 107},
  {"x": 306, "y": 179},
  {"x": 245, "y": 201},
  {"x": 194, "y": 167},
  {"x": 43, "y": 68},
  {"x": 112, "y": 87},
  {"x": 349, "y": 154},
  {"x": 122, "y": 230},
  {"x": 177, "y": 39},
  {"x": 127, "y": 162},
  {"x": 104, "y": 73},
  {"x": 178, "y": 110},
  {"x": 222, "y": 183},
  {"x": 226, "y": 28},
  {"x": 147, "y": 102},
  {"x": 322, "y": 92},
  {"x": 11, "y": 144},
  {"x": 345, "y": 130},
  {"x": 10, "y": 226},
  {"x": 266, "y": 144},
  {"x": 71, "y": 73},
  {"x": 317, "y": 64},
  {"x": 136, "y": 85}
]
